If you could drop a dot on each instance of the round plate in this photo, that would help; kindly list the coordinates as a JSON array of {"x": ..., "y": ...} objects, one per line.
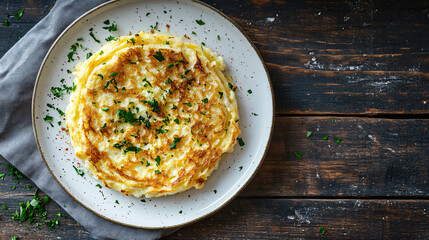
[{"x": 254, "y": 95}]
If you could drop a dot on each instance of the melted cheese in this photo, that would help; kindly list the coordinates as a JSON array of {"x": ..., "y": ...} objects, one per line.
[{"x": 151, "y": 115}]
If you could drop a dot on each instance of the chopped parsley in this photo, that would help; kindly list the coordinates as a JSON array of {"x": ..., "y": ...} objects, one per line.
[
  {"x": 325, "y": 137},
  {"x": 113, "y": 74},
  {"x": 170, "y": 65},
  {"x": 59, "y": 111},
  {"x": 48, "y": 118},
  {"x": 18, "y": 14},
  {"x": 168, "y": 81},
  {"x": 117, "y": 202},
  {"x": 154, "y": 27},
  {"x": 298, "y": 154},
  {"x": 180, "y": 211},
  {"x": 92, "y": 35},
  {"x": 101, "y": 76},
  {"x": 145, "y": 80},
  {"x": 101, "y": 129},
  {"x": 175, "y": 142},
  {"x": 240, "y": 142},
  {"x": 185, "y": 72},
  {"x": 322, "y": 230},
  {"x": 309, "y": 134},
  {"x": 218, "y": 37},
  {"x": 200, "y": 22},
  {"x": 126, "y": 116},
  {"x": 188, "y": 104},
  {"x": 333, "y": 119},
  {"x": 105, "y": 109},
  {"x": 6, "y": 23},
  {"x": 133, "y": 63},
  {"x": 158, "y": 160},
  {"x": 194, "y": 33},
  {"x": 232, "y": 87},
  {"x": 107, "y": 22},
  {"x": 338, "y": 139},
  {"x": 147, "y": 14},
  {"x": 173, "y": 107},
  {"x": 79, "y": 171},
  {"x": 205, "y": 100},
  {"x": 88, "y": 55},
  {"x": 167, "y": 43},
  {"x": 215, "y": 191},
  {"x": 132, "y": 40},
  {"x": 132, "y": 149},
  {"x": 159, "y": 56},
  {"x": 109, "y": 38},
  {"x": 111, "y": 28},
  {"x": 157, "y": 171},
  {"x": 221, "y": 95},
  {"x": 98, "y": 185},
  {"x": 176, "y": 120},
  {"x": 240, "y": 168},
  {"x": 154, "y": 104},
  {"x": 249, "y": 91},
  {"x": 4, "y": 207},
  {"x": 101, "y": 52}
]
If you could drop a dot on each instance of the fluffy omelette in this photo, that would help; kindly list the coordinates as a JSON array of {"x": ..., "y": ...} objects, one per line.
[{"x": 151, "y": 115}]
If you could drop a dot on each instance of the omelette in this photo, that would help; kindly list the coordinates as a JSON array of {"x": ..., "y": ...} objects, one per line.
[{"x": 152, "y": 114}]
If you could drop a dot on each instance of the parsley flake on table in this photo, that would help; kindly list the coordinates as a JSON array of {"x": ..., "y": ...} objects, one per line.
[
  {"x": 200, "y": 22},
  {"x": 322, "y": 230},
  {"x": 18, "y": 14},
  {"x": 309, "y": 134},
  {"x": 338, "y": 139},
  {"x": 325, "y": 138},
  {"x": 298, "y": 154},
  {"x": 79, "y": 171},
  {"x": 6, "y": 23}
]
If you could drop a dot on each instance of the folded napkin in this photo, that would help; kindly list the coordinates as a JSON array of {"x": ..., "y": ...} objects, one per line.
[{"x": 18, "y": 71}]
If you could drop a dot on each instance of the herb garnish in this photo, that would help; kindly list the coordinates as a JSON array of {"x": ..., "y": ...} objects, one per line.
[
  {"x": 205, "y": 100},
  {"x": 168, "y": 81},
  {"x": 188, "y": 104},
  {"x": 79, "y": 171},
  {"x": 325, "y": 137},
  {"x": 98, "y": 185},
  {"x": 249, "y": 91},
  {"x": 109, "y": 38},
  {"x": 6, "y": 23},
  {"x": 232, "y": 87},
  {"x": 218, "y": 37},
  {"x": 298, "y": 154},
  {"x": 322, "y": 230},
  {"x": 170, "y": 65},
  {"x": 157, "y": 171},
  {"x": 175, "y": 142},
  {"x": 105, "y": 109},
  {"x": 88, "y": 55},
  {"x": 338, "y": 139},
  {"x": 111, "y": 28},
  {"x": 48, "y": 118},
  {"x": 92, "y": 35},
  {"x": 176, "y": 120},
  {"x": 221, "y": 95},
  {"x": 159, "y": 56},
  {"x": 309, "y": 134},
  {"x": 200, "y": 22},
  {"x": 101, "y": 129},
  {"x": 241, "y": 142},
  {"x": 18, "y": 14},
  {"x": 154, "y": 104},
  {"x": 132, "y": 149}
]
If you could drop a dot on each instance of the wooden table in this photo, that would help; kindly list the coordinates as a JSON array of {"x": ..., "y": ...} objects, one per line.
[{"x": 352, "y": 69}]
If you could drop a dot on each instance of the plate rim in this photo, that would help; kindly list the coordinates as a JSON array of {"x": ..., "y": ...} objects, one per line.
[{"x": 221, "y": 206}]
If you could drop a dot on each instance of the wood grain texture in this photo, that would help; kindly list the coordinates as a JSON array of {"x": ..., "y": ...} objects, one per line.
[
  {"x": 348, "y": 58},
  {"x": 302, "y": 218},
  {"x": 376, "y": 157}
]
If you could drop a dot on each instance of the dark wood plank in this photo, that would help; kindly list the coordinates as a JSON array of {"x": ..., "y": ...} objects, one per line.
[
  {"x": 376, "y": 157},
  {"x": 324, "y": 57},
  {"x": 301, "y": 219}
]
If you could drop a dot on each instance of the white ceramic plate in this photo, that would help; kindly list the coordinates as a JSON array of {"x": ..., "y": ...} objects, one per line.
[{"x": 236, "y": 169}]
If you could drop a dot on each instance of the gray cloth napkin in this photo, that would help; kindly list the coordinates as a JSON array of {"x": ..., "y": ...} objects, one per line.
[{"x": 18, "y": 71}]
